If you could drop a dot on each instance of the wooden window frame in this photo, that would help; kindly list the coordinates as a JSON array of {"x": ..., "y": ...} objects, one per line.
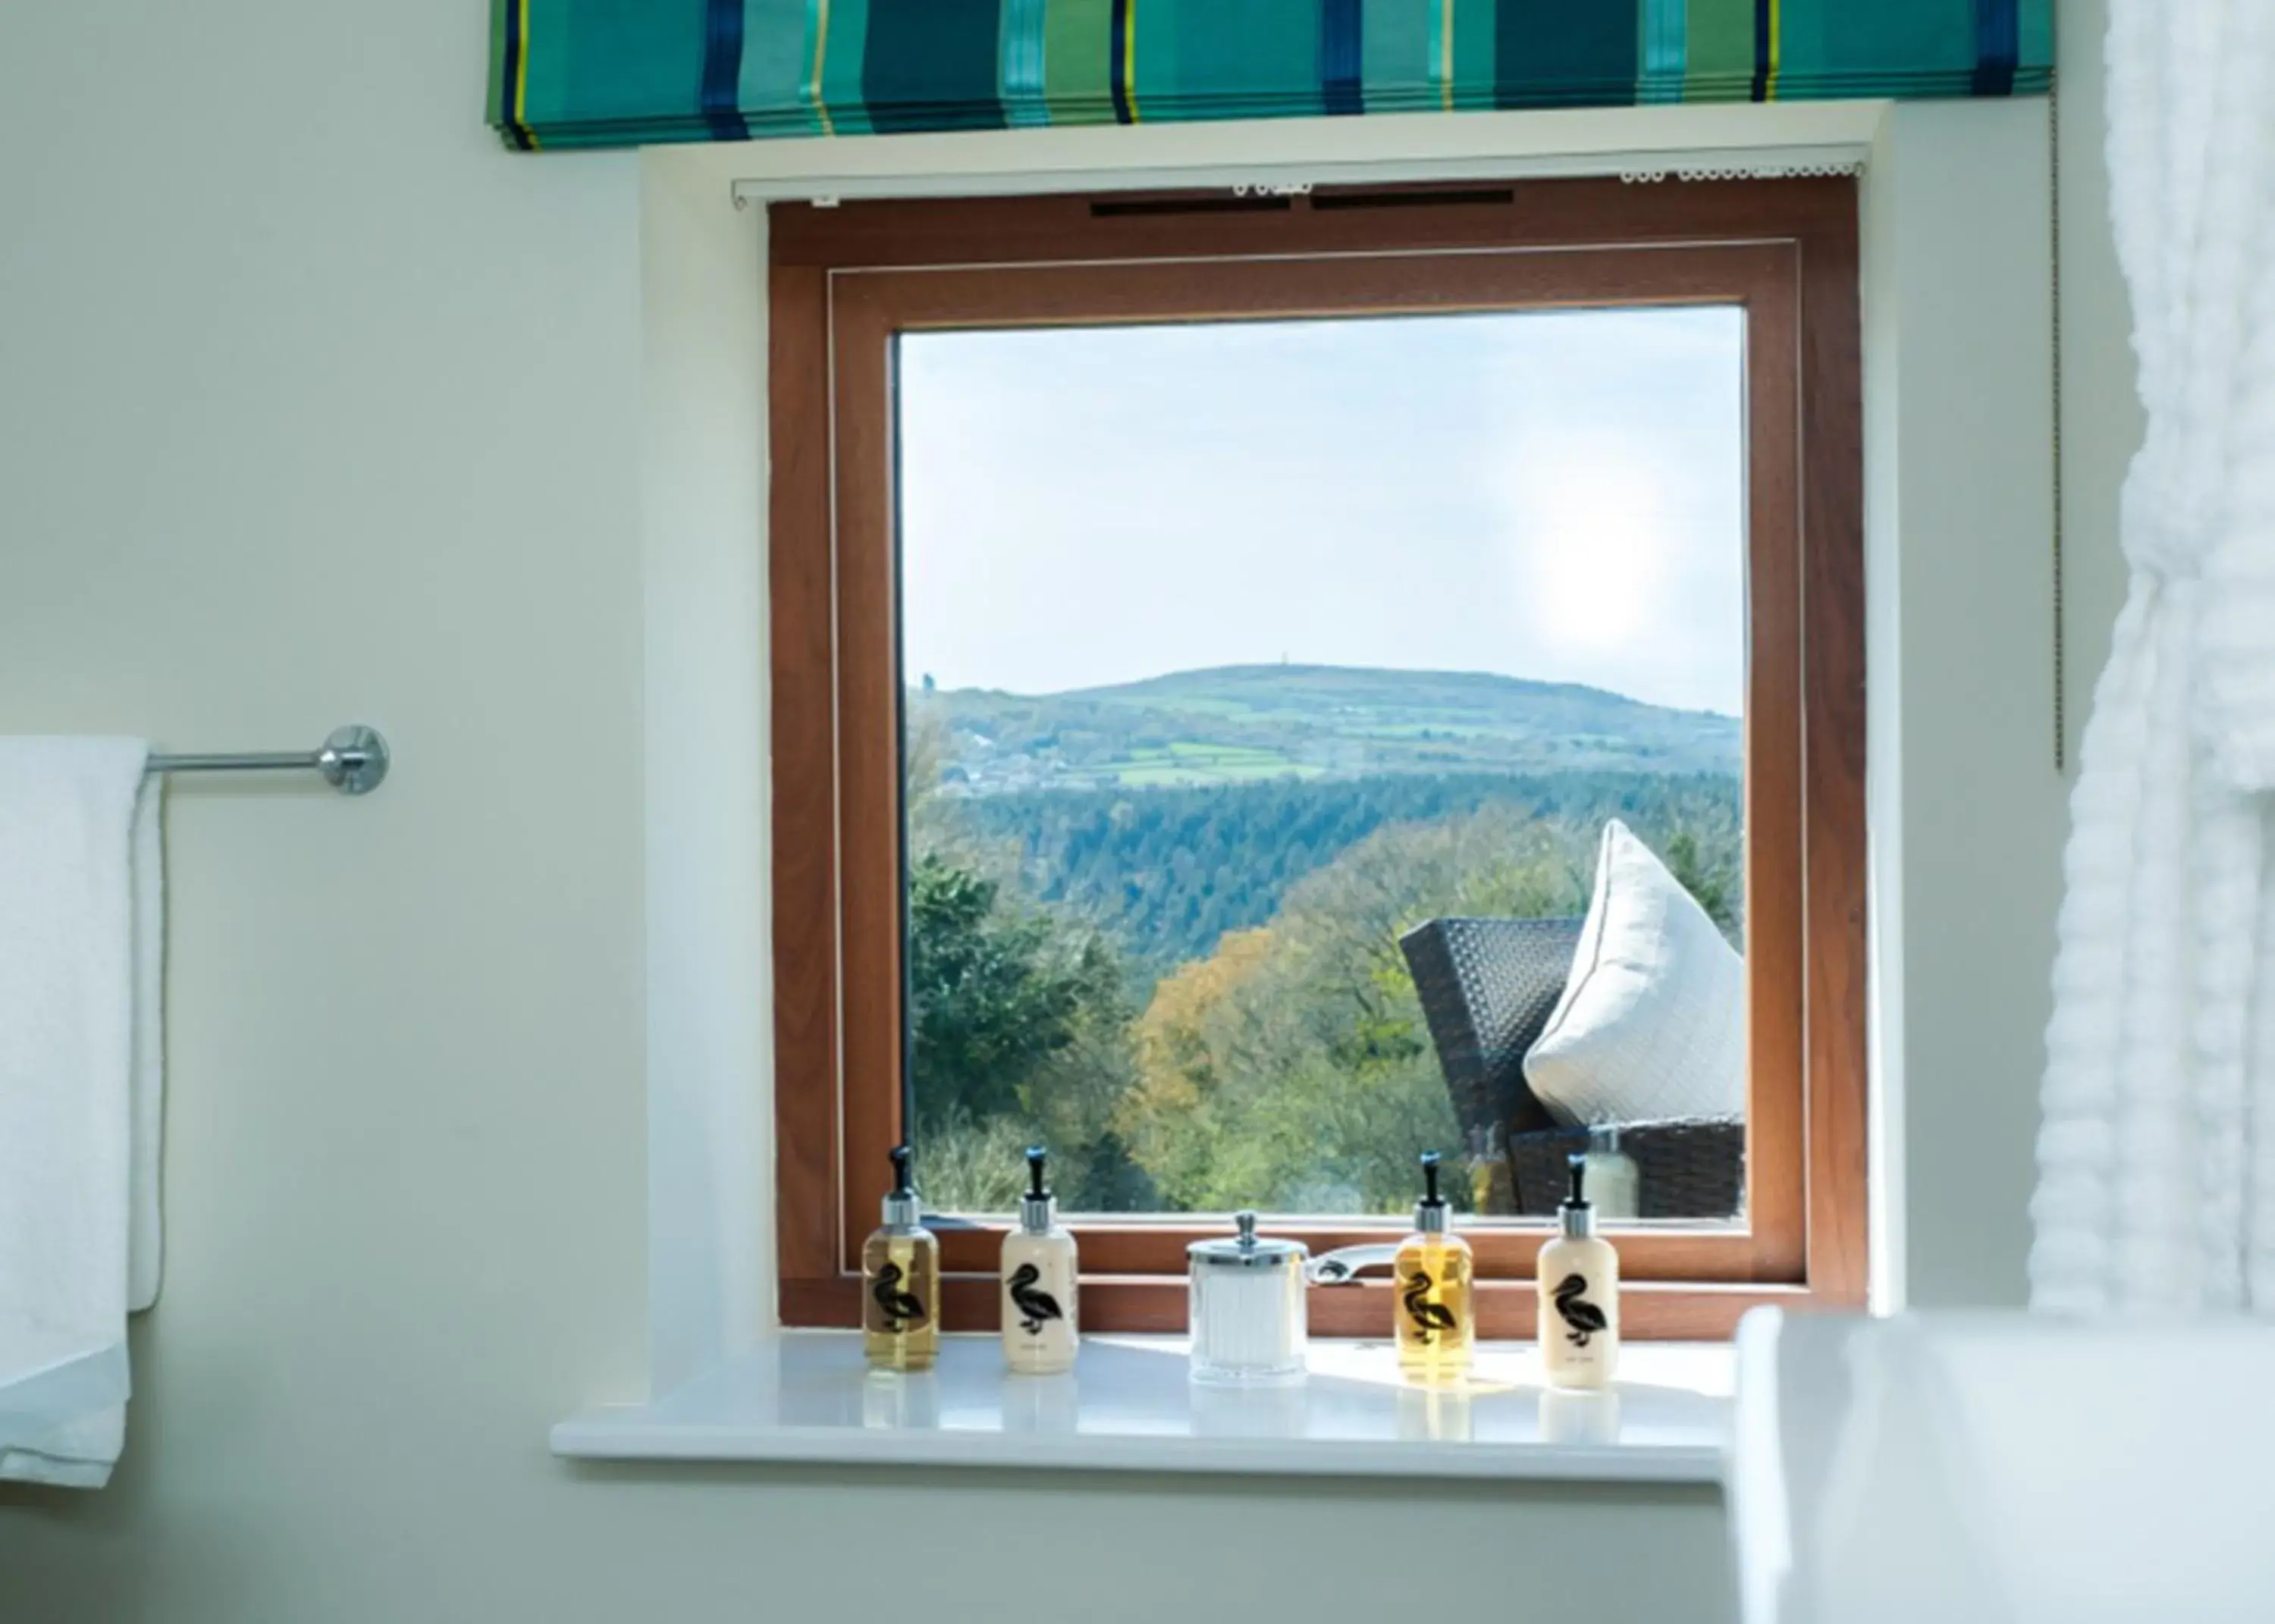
[{"x": 842, "y": 281}]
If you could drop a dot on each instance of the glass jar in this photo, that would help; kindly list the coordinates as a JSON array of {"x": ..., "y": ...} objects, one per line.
[{"x": 1246, "y": 1309}]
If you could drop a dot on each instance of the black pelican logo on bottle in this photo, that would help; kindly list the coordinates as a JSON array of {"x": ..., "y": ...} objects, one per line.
[
  {"x": 1584, "y": 1318},
  {"x": 1034, "y": 1306},
  {"x": 1430, "y": 1319},
  {"x": 903, "y": 1309}
]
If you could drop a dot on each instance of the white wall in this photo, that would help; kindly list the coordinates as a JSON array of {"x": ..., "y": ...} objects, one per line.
[
  {"x": 710, "y": 1234},
  {"x": 282, "y": 333},
  {"x": 2101, "y": 420},
  {"x": 324, "y": 345},
  {"x": 1968, "y": 804},
  {"x": 1962, "y": 616}
]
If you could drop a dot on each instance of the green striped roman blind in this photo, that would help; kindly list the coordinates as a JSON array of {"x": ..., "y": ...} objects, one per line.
[{"x": 626, "y": 73}]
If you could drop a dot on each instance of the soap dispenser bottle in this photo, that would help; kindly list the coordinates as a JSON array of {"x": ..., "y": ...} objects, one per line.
[
  {"x": 1436, "y": 1315},
  {"x": 1579, "y": 1278},
  {"x": 900, "y": 1282},
  {"x": 1039, "y": 1276}
]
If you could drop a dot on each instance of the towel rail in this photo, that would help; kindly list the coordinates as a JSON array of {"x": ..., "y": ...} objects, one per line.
[{"x": 353, "y": 761}]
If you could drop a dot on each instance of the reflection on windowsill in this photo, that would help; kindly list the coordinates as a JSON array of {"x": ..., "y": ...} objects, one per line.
[
  {"x": 1129, "y": 1405},
  {"x": 1387, "y": 1225},
  {"x": 1570, "y": 1417}
]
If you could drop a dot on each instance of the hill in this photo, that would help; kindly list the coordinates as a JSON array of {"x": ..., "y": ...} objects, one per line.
[{"x": 1242, "y": 724}]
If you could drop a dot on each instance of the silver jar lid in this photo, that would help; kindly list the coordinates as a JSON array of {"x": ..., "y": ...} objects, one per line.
[{"x": 1247, "y": 1249}]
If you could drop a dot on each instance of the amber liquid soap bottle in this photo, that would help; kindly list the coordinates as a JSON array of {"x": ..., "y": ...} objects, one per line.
[
  {"x": 900, "y": 1282},
  {"x": 1579, "y": 1284},
  {"x": 1038, "y": 1283},
  {"x": 1436, "y": 1314}
]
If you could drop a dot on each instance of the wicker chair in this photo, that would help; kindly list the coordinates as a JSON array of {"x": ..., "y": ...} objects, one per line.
[{"x": 1488, "y": 987}]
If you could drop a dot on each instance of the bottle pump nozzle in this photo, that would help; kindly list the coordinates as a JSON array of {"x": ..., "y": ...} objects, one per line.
[
  {"x": 1038, "y": 1211},
  {"x": 1579, "y": 1217},
  {"x": 1430, "y": 1211},
  {"x": 900, "y": 1202}
]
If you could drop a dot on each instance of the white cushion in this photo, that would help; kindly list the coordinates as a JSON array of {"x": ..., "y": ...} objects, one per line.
[{"x": 1651, "y": 1025}]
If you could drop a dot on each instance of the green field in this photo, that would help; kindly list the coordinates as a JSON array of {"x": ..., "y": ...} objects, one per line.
[{"x": 1192, "y": 761}]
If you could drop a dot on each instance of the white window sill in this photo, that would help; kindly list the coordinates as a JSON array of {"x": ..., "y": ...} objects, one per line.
[{"x": 803, "y": 1395}]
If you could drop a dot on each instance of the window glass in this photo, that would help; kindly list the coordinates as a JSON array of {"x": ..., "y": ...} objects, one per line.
[{"x": 1260, "y": 679}]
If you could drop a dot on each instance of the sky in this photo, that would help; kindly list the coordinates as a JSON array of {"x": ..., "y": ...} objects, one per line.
[{"x": 1557, "y": 495}]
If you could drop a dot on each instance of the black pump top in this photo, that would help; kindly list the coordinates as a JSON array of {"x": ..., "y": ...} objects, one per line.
[
  {"x": 1575, "y": 1217},
  {"x": 900, "y": 1209},
  {"x": 1430, "y": 1211},
  {"x": 1037, "y": 1213}
]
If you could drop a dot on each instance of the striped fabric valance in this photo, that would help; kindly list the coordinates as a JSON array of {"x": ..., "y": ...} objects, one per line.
[{"x": 628, "y": 72}]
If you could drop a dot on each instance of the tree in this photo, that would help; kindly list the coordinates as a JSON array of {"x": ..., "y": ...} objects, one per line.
[
  {"x": 1713, "y": 871},
  {"x": 1292, "y": 1067},
  {"x": 1018, "y": 1029},
  {"x": 993, "y": 992}
]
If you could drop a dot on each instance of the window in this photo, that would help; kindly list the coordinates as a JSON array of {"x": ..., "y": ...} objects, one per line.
[{"x": 1188, "y": 610}]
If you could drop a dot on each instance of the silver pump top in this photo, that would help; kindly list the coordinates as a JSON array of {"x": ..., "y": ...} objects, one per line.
[
  {"x": 1577, "y": 1216},
  {"x": 901, "y": 1207},
  {"x": 1430, "y": 1211},
  {"x": 1247, "y": 1250},
  {"x": 1039, "y": 1209}
]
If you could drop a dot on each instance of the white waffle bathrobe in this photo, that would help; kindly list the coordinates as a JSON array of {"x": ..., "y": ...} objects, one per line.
[{"x": 2156, "y": 1159}]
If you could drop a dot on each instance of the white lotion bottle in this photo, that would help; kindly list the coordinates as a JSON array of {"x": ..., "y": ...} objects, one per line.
[
  {"x": 1579, "y": 1279},
  {"x": 1039, "y": 1277}
]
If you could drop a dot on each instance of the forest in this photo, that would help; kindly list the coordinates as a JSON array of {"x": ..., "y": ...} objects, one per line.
[
  {"x": 1194, "y": 994},
  {"x": 1167, "y": 872}
]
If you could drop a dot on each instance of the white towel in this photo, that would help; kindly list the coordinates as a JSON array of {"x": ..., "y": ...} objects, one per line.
[{"x": 81, "y": 936}]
